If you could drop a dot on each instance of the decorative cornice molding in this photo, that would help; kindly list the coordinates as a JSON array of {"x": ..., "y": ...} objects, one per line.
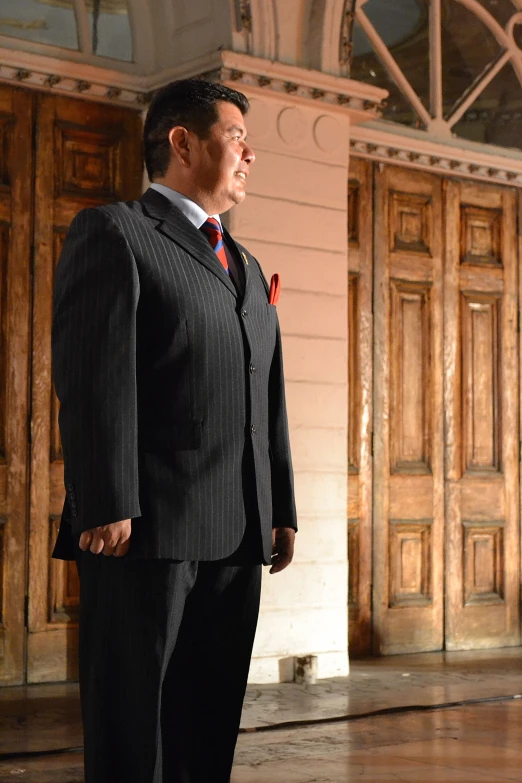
[
  {"x": 70, "y": 78},
  {"x": 473, "y": 161},
  {"x": 302, "y": 85}
]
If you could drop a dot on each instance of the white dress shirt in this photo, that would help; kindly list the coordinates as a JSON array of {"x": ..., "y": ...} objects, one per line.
[
  {"x": 190, "y": 209},
  {"x": 195, "y": 214}
]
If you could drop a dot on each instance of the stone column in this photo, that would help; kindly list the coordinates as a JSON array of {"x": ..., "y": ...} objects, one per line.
[{"x": 294, "y": 221}]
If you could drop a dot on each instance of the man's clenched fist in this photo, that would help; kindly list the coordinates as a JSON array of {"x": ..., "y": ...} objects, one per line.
[{"x": 113, "y": 539}]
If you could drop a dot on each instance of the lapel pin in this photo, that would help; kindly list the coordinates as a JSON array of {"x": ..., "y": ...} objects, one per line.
[{"x": 245, "y": 259}]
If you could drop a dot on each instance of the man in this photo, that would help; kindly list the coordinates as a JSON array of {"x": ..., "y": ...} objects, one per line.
[{"x": 167, "y": 363}]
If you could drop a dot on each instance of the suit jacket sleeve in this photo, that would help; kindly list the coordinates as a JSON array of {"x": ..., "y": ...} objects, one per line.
[
  {"x": 283, "y": 500},
  {"x": 94, "y": 367}
]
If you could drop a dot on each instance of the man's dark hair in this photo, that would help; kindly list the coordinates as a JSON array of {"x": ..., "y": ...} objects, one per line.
[{"x": 187, "y": 102}]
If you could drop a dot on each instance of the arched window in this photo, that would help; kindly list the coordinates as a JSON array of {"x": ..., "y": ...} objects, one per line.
[
  {"x": 99, "y": 27},
  {"x": 451, "y": 66}
]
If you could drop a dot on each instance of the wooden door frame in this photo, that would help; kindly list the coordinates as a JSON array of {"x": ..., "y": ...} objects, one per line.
[
  {"x": 86, "y": 155},
  {"x": 360, "y": 341},
  {"x": 14, "y": 470},
  {"x": 64, "y": 635},
  {"x": 517, "y": 349}
]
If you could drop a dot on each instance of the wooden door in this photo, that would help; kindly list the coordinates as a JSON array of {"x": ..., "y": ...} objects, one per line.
[
  {"x": 16, "y": 170},
  {"x": 408, "y": 418},
  {"x": 482, "y": 424},
  {"x": 446, "y": 413},
  {"x": 86, "y": 154},
  {"x": 360, "y": 340}
]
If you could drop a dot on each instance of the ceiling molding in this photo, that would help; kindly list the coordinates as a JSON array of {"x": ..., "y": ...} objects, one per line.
[
  {"x": 87, "y": 81},
  {"x": 465, "y": 159},
  {"x": 91, "y": 82}
]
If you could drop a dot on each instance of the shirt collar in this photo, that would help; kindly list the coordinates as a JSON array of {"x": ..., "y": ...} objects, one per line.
[{"x": 190, "y": 209}]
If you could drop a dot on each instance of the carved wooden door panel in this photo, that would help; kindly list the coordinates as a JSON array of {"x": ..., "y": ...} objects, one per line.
[
  {"x": 482, "y": 424},
  {"x": 408, "y": 418},
  {"x": 86, "y": 154},
  {"x": 360, "y": 277},
  {"x": 16, "y": 128}
]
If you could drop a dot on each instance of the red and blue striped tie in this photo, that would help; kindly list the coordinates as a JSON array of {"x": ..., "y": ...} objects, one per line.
[{"x": 212, "y": 230}]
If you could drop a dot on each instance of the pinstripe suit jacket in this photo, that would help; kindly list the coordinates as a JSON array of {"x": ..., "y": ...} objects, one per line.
[{"x": 167, "y": 378}]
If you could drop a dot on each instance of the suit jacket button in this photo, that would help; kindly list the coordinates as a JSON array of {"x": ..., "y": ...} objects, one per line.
[
  {"x": 253, "y": 429},
  {"x": 244, "y": 313},
  {"x": 252, "y": 368}
]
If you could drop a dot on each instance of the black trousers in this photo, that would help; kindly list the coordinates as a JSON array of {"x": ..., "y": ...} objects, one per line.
[{"x": 165, "y": 649}]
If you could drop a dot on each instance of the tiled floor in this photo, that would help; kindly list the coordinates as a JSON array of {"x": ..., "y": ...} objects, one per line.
[
  {"x": 394, "y": 681},
  {"x": 477, "y": 743}
]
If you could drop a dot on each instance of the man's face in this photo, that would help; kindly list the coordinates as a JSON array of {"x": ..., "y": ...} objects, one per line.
[{"x": 220, "y": 163}]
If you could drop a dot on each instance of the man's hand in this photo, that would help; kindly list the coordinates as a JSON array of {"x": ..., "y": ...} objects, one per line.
[
  {"x": 113, "y": 539},
  {"x": 283, "y": 539}
]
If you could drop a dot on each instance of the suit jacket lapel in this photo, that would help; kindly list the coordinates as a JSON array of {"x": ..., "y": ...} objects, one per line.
[
  {"x": 174, "y": 224},
  {"x": 244, "y": 260}
]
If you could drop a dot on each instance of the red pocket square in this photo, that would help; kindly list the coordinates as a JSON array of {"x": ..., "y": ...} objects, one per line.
[{"x": 275, "y": 289}]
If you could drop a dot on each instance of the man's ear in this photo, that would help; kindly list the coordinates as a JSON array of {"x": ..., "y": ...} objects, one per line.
[{"x": 179, "y": 142}]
